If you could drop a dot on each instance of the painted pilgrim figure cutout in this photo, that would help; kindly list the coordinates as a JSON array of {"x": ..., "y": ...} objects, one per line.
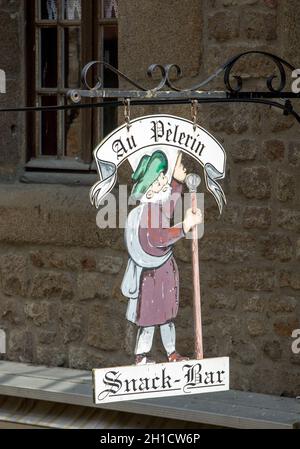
[
  {"x": 153, "y": 145},
  {"x": 151, "y": 280}
]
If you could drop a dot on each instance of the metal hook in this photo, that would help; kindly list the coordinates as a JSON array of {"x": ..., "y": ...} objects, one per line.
[
  {"x": 126, "y": 103},
  {"x": 194, "y": 113}
]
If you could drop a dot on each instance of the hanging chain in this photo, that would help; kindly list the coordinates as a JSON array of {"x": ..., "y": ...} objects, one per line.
[
  {"x": 194, "y": 113},
  {"x": 127, "y": 113}
]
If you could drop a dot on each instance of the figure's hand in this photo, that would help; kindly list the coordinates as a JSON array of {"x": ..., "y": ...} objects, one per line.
[
  {"x": 179, "y": 170},
  {"x": 191, "y": 219}
]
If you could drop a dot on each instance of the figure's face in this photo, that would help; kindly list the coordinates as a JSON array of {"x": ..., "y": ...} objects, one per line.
[{"x": 160, "y": 184}]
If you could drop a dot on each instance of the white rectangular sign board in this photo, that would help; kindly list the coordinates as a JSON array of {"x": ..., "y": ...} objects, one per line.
[{"x": 160, "y": 379}]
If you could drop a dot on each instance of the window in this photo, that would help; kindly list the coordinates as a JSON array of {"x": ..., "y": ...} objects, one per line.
[{"x": 62, "y": 36}]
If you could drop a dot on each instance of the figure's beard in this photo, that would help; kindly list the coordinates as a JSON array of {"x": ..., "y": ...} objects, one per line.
[{"x": 160, "y": 197}]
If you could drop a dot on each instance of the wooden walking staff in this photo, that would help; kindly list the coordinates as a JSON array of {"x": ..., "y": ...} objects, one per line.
[{"x": 192, "y": 182}]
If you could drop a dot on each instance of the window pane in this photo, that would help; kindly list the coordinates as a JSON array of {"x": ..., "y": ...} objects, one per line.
[
  {"x": 110, "y": 9},
  {"x": 48, "y": 68},
  {"x": 72, "y": 57},
  {"x": 49, "y": 127},
  {"x": 73, "y": 133},
  {"x": 110, "y": 118},
  {"x": 48, "y": 9},
  {"x": 110, "y": 54},
  {"x": 72, "y": 9}
]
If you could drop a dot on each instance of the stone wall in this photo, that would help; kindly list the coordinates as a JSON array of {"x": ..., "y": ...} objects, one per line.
[
  {"x": 12, "y": 156},
  {"x": 60, "y": 299}
]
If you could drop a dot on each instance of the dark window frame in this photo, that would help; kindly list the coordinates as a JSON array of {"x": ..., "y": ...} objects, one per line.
[{"x": 92, "y": 27}]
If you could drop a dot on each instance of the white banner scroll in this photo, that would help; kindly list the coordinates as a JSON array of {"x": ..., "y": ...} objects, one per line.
[{"x": 167, "y": 133}]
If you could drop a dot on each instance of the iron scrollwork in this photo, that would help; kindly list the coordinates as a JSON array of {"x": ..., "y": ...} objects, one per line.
[
  {"x": 168, "y": 90},
  {"x": 279, "y": 63},
  {"x": 170, "y": 73}
]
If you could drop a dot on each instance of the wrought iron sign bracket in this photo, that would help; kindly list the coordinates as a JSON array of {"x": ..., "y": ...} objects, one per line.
[{"x": 167, "y": 90}]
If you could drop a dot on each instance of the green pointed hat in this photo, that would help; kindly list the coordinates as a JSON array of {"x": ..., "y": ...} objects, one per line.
[{"x": 147, "y": 172}]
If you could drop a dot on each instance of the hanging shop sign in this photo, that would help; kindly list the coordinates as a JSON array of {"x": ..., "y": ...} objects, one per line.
[{"x": 154, "y": 146}]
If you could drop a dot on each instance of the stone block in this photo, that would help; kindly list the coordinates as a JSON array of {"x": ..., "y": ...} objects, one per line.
[
  {"x": 223, "y": 26},
  {"x": 273, "y": 150},
  {"x": 285, "y": 327},
  {"x": 255, "y": 183},
  {"x": 244, "y": 352},
  {"x": 290, "y": 279},
  {"x": 272, "y": 349},
  {"x": 94, "y": 285},
  {"x": 289, "y": 220},
  {"x": 60, "y": 260},
  {"x": 71, "y": 323},
  {"x": 254, "y": 279},
  {"x": 13, "y": 274},
  {"x": 223, "y": 301},
  {"x": 157, "y": 22},
  {"x": 51, "y": 356},
  {"x": 256, "y": 326},
  {"x": 38, "y": 312},
  {"x": 257, "y": 217},
  {"x": 21, "y": 345},
  {"x": 83, "y": 359},
  {"x": 227, "y": 246},
  {"x": 259, "y": 26},
  {"x": 52, "y": 285},
  {"x": 109, "y": 264},
  {"x": 285, "y": 186},
  {"x": 255, "y": 303},
  {"x": 283, "y": 304},
  {"x": 277, "y": 247},
  {"x": 294, "y": 154},
  {"x": 10, "y": 43},
  {"x": 244, "y": 150},
  {"x": 106, "y": 327}
]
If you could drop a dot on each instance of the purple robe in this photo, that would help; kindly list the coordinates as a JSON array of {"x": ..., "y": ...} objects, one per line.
[{"x": 159, "y": 288}]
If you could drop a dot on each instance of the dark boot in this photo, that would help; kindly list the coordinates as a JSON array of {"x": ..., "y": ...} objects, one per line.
[
  {"x": 176, "y": 357},
  {"x": 143, "y": 359}
]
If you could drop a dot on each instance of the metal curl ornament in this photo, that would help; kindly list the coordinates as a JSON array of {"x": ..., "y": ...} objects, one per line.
[
  {"x": 157, "y": 68},
  {"x": 99, "y": 84},
  {"x": 165, "y": 72},
  {"x": 279, "y": 62}
]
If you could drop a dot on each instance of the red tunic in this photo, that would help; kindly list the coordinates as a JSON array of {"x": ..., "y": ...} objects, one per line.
[{"x": 159, "y": 289}]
